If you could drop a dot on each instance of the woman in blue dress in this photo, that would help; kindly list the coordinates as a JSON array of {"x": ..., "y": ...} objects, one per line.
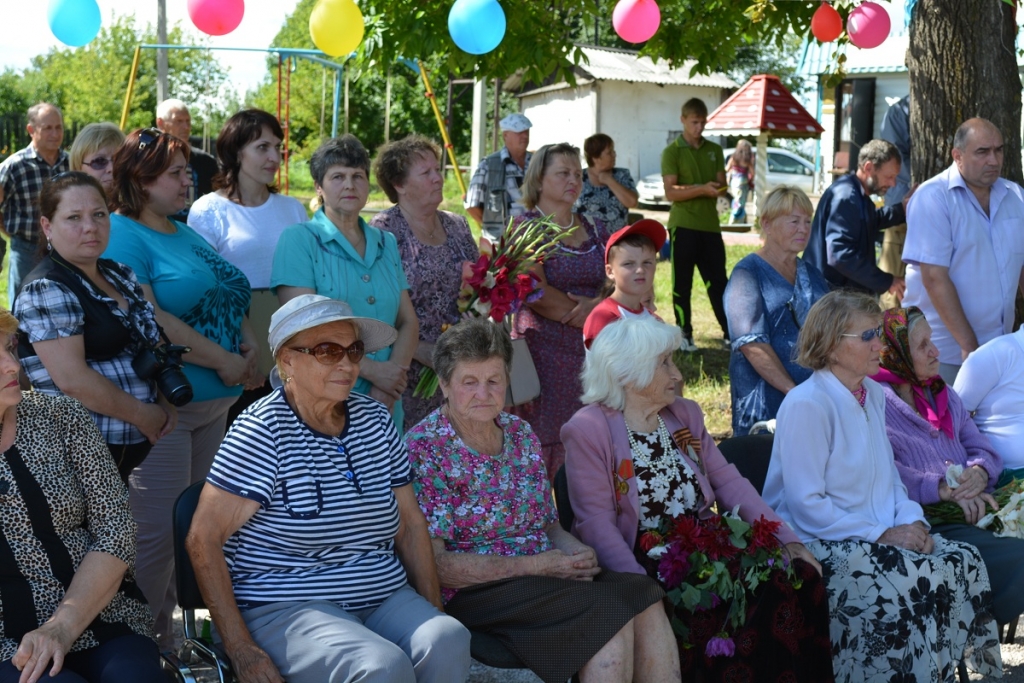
[{"x": 766, "y": 301}]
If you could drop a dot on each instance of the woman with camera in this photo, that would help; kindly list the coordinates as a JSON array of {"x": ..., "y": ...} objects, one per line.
[
  {"x": 84, "y": 319},
  {"x": 200, "y": 300}
]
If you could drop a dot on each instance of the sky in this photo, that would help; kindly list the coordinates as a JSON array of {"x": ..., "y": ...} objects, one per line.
[{"x": 29, "y": 33}]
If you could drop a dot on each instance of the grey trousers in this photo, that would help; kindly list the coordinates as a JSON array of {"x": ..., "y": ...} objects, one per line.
[
  {"x": 405, "y": 640},
  {"x": 181, "y": 458}
]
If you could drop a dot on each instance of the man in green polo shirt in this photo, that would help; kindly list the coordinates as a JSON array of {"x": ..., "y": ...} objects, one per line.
[{"x": 693, "y": 170}]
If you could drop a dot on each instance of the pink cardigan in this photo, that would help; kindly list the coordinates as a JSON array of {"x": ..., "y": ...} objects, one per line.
[{"x": 596, "y": 444}]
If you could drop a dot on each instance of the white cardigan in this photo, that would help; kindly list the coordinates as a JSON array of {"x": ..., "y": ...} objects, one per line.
[{"x": 832, "y": 475}]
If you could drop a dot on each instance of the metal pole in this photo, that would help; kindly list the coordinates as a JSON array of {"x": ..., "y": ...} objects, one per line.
[
  {"x": 287, "y": 121},
  {"x": 440, "y": 124},
  {"x": 337, "y": 103},
  {"x": 161, "y": 54},
  {"x": 387, "y": 108},
  {"x": 280, "y": 60},
  {"x": 131, "y": 85},
  {"x": 346, "y": 103}
]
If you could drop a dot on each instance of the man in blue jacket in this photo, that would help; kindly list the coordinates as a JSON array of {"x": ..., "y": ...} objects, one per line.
[{"x": 847, "y": 223}]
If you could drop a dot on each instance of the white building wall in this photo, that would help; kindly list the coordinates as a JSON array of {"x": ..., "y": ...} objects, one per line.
[
  {"x": 643, "y": 118},
  {"x": 567, "y": 115}
]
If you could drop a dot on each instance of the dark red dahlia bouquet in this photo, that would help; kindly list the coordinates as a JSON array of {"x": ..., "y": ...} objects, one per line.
[
  {"x": 500, "y": 283},
  {"x": 722, "y": 559}
]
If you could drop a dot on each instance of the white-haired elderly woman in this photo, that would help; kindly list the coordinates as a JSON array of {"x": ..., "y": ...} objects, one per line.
[
  {"x": 904, "y": 600},
  {"x": 637, "y": 453},
  {"x": 308, "y": 543},
  {"x": 506, "y": 565}
]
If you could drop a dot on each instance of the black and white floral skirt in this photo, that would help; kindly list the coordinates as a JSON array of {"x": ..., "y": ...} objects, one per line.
[{"x": 899, "y": 615}]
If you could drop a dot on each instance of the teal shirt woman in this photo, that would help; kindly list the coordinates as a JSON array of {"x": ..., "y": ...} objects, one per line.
[{"x": 337, "y": 254}]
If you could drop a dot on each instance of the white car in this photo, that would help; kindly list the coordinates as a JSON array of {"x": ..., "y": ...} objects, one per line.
[{"x": 784, "y": 168}]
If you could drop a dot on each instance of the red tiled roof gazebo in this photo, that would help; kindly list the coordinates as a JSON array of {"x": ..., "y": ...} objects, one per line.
[{"x": 763, "y": 107}]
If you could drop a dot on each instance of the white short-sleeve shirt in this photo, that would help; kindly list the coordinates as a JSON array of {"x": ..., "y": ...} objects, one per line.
[
  {"x": 947, "y": 227},
  {"x": 246, "y": 235},
  {"x": 991, "y": 386}
]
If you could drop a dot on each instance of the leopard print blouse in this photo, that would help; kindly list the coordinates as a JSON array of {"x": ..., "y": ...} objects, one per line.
[{"x": 60, "y": 498}]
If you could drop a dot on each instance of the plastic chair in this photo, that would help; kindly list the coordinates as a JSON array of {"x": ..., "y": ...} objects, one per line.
[{"x": 195, "y": 647}]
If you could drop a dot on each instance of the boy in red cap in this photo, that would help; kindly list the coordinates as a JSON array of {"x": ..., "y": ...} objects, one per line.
[{"x": 630, "y": 258}]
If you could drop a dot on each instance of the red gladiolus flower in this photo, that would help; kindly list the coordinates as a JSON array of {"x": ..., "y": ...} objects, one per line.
[{"x": 479, "y": 271}]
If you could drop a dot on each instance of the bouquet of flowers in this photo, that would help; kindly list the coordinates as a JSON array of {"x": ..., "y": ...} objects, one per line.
[
  {"x": 499, "y": 283},
  {"x": 706, "y": 562},
  {"x": 1007, "y": 521}
]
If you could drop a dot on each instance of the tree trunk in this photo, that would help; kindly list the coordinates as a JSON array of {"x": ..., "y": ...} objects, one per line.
[{"x": 962, "y": 64}]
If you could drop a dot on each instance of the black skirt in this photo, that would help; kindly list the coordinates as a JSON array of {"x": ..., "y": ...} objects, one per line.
[{"x": 554, "y": 626}]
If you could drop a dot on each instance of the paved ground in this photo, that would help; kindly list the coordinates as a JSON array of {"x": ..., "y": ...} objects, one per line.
[{"x": 1013, "y": 666}]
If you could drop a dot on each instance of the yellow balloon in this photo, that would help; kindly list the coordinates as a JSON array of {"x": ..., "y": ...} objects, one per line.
[{"x": 336, "y": 26}]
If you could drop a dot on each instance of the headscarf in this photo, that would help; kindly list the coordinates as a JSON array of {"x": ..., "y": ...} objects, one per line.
[{"x": 898, "y": 368}]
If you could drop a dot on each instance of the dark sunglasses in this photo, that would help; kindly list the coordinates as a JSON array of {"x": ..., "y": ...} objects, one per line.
[
  {"x": 866, "y": 335},
  {"x": 148, "y": 136},
  {"x": 98, "y": 164},
  {"x": 330, "y": 353}
]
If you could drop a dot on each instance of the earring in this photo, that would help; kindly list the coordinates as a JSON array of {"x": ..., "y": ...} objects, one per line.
[{"x": 49, "y": 245}]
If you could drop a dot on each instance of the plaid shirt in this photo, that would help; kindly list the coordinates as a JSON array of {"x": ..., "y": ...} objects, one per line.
[
  {"x": 477, "y": 193},
  {"x": 22, "y": 176},
  {"x": 48, "y": 310}
]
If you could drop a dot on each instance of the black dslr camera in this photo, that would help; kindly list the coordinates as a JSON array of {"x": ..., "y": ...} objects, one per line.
[{"x": 163, "y": 365}]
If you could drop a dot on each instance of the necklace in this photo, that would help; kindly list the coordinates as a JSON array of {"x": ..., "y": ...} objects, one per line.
[
  {"x": 572, "y": 221},
  {"x": 665, "y": 468},
  {"x": 861, "y": 394}
]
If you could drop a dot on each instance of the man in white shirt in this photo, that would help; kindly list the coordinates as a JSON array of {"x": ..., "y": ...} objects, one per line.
[{"x": 965, "y": 247}]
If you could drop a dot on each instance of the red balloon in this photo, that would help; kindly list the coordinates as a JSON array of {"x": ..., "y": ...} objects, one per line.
[
  {"x": 216, "y": 17},
  {"x": 826, "y": 24},
  {"x": 868, "y": 25}
]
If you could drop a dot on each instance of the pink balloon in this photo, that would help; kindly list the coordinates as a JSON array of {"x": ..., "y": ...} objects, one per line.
[
  {"x": 636, "y": 20},
  {"x": 868, "y": 25},
  {"x": 216, "y": 17}
]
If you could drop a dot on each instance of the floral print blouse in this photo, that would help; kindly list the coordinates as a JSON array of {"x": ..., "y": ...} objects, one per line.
[
  {"x": 669, "y": 495},
  {"x": 477, "y": 503}
]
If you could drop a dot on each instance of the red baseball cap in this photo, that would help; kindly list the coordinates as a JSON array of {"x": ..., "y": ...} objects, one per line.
[{"x": 650, "y": 228}]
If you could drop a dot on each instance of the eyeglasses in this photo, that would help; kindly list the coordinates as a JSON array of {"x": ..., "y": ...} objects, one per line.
[
  {"x": 329, "y": 353},
  {"x": 148, "y": 136},
  {"x": 98, "y": 164},
  {"x": 866, "y": 335}
]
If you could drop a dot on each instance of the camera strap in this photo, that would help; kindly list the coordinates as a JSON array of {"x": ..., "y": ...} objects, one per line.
[{"x": 97, "y": 311}]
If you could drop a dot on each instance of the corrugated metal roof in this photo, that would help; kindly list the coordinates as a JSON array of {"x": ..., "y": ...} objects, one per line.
[
  {"x": 889, "y": 57},
  {"x": 625, "y": 65}
]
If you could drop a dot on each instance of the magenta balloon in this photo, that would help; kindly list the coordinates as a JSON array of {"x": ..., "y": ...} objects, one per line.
[
  {"x": 868, "y": 25},
  {"x": 636, "y": 20},
  {"x": 216, "y": 17}
]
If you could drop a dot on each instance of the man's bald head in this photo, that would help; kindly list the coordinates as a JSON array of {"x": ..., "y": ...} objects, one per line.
[{"x": 978, "y": 153}]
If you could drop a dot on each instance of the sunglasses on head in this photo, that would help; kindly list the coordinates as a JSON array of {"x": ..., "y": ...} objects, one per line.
[
  {"x": 98, "y": 164},
  {"x": 329, "y": 353},
  {"x": 866, "y": 335},
  {"x": 148, "y": 136}
]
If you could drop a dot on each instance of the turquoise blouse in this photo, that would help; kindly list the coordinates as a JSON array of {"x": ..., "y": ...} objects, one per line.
[{"x": 315, "y": 255}]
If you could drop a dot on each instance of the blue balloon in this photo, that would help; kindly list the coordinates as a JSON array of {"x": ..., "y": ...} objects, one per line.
[
  {"x": 476, "y": 26},
  {"x": 74, "y": 22}
]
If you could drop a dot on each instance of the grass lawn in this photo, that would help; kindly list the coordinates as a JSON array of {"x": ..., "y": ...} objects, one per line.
[{"x": 705, "y": 372}]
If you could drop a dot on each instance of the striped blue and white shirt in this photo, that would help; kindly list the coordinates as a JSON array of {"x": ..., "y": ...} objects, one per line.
[{"x": 328, "y": 516}]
